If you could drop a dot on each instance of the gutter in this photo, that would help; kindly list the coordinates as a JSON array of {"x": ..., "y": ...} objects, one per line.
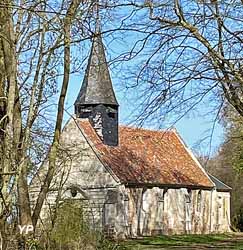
[{"x": 175, "y": 186}]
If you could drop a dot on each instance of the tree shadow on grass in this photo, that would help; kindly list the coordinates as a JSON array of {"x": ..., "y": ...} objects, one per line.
[{"x": 189, "y": 242}]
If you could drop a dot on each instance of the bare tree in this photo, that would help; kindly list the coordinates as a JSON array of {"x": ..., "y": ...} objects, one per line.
[
  {"x": 35, "y": 45},
  {"x": 186, "y": 52}
]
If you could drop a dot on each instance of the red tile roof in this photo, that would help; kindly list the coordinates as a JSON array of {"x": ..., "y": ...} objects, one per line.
[{"x": 148, "y": 157}]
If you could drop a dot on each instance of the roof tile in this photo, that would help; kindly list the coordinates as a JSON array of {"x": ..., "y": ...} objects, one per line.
[{"x": 149, "y": 157}]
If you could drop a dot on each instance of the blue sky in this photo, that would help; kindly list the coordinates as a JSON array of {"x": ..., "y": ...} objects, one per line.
[{"x": 193, "y": 130}]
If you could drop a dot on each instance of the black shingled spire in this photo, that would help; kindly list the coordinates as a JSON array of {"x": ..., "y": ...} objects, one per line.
[
  {"x": 96, "y": 99},
  {"x": 97, "y": 86}
]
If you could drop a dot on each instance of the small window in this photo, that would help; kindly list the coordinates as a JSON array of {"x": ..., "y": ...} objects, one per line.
[
  {"x": 112, "y": 197},
  {"x": 85, "y": 114},
  {"x": 111, "y": 115},
  {"x": 74, "y": 192}
]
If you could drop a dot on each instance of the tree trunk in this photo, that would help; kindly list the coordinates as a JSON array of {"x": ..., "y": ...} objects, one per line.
[{"x": 55, "y": 144}]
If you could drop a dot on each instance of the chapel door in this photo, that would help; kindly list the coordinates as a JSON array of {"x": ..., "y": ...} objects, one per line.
[{"x": 110, "y": 212}]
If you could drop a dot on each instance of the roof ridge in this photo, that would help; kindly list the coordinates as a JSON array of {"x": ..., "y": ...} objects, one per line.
[
  {"x": 148, "y": 129},
  {"x": 139, "y": 128}
]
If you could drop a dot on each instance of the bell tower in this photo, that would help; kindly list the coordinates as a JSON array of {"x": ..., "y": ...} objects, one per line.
[{"x": 96, "y": 99}]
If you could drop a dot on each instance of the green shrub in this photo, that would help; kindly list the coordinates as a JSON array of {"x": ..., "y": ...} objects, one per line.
[
  {"x": 238, "y": 220},
  {"x": 71, "y": 231}
]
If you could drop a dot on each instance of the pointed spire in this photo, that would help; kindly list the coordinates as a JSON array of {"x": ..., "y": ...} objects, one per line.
[{"x": 97, "y": 86}]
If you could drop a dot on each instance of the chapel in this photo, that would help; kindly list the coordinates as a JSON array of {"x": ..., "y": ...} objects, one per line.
[{"x": 131, "y": 181}]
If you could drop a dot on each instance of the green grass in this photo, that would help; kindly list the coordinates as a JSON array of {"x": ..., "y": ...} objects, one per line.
[{"x": 217, "y": 241}]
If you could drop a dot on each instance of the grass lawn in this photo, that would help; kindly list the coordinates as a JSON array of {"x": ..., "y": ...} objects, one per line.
[{"x": 187, "y": 242}]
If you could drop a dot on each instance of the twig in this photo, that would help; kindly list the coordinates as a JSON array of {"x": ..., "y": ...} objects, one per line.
[
  {"x": 4, "y": 117},
  {"x": 9, "y": 173}
]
